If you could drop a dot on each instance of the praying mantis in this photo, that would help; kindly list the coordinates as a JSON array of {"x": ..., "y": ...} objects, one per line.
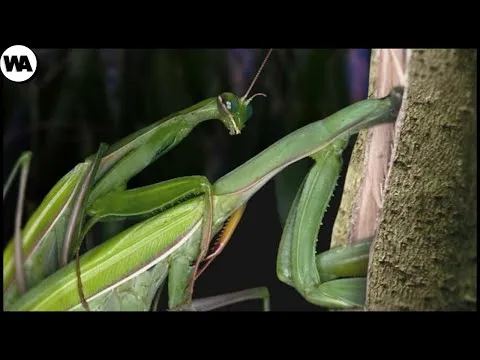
[{"x": 183, "y": 214}]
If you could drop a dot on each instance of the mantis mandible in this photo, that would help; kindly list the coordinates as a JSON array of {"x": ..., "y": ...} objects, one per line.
[
  {"x": 53, "y": 233},
  {"x": 174, "y": 240}
]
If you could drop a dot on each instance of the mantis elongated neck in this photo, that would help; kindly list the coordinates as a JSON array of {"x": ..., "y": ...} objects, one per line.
[{"x": 244, "y": 181}]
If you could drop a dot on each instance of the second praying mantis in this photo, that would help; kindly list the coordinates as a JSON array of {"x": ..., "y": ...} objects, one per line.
[{"x": 184, "y": 214}]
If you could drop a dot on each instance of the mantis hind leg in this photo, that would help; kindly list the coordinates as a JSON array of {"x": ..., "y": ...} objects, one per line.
[
  {"x": 336, "y": 278},
  {"x": 181, "y": 271},
  {"x": 180, "y": 267},
  {"x": 73, "y": 238},
  {"x": 215, "y": 302},
  {"x": 23, "y": 162},
  {"x": 223, "y": 239}
]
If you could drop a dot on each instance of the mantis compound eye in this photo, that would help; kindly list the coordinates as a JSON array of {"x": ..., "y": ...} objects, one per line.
[{"x": 228, "y": 103}]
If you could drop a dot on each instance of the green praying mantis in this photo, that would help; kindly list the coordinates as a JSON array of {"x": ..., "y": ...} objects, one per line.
[{"x": 179, "y": 218}]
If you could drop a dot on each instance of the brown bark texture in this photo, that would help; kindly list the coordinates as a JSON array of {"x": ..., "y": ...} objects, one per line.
[{"x": 424, "y": 256}]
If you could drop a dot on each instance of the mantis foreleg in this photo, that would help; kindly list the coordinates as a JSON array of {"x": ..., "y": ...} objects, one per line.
[
  {"x": 173, "y": 236},
  {"x": 315, "y": 277},
  {"x": 44, "y": 232},
  {"x": 150, "y": 200}
]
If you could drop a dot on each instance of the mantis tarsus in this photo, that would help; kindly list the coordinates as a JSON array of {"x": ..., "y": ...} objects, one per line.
[{"x": 177, "y": 234}]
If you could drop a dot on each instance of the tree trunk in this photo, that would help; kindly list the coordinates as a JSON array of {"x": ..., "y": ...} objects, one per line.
[{"x": 424, "y": 256}]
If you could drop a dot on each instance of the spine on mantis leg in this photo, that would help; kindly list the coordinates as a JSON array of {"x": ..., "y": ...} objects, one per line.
[
  {"x": 314, "y": 276},
  {"x": 124, "y": 160},
  {"x": 252, "y": 175},
  {"x": 297, "y": 251},
  {"x": 234, "y": 189},
  {"x": 47, "y": 226},
  {"x": 230, "y": 192},
  {"x": 324, "y": 141}
]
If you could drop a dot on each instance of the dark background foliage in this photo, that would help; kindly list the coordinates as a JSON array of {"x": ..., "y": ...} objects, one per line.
[{"x": 81, "y": 97}]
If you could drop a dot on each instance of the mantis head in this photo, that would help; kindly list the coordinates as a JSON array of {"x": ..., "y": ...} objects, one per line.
[{"x": 235, "y": 111}]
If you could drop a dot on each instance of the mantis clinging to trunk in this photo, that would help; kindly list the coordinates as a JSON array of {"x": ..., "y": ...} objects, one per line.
[{"x": 183, "y": 214}]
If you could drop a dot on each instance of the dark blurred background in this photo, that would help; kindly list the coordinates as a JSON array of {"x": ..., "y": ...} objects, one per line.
[{"x": 81, "y": 97}]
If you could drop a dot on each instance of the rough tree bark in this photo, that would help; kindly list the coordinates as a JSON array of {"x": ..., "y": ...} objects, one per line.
[{"x": 424, "y": 256}]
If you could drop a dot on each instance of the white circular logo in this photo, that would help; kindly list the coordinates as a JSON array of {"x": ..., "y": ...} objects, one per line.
[{"x": 18, "y": 63}]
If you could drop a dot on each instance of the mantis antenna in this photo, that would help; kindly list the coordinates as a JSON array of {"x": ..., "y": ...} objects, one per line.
[{"x": 255, "y": 79}]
